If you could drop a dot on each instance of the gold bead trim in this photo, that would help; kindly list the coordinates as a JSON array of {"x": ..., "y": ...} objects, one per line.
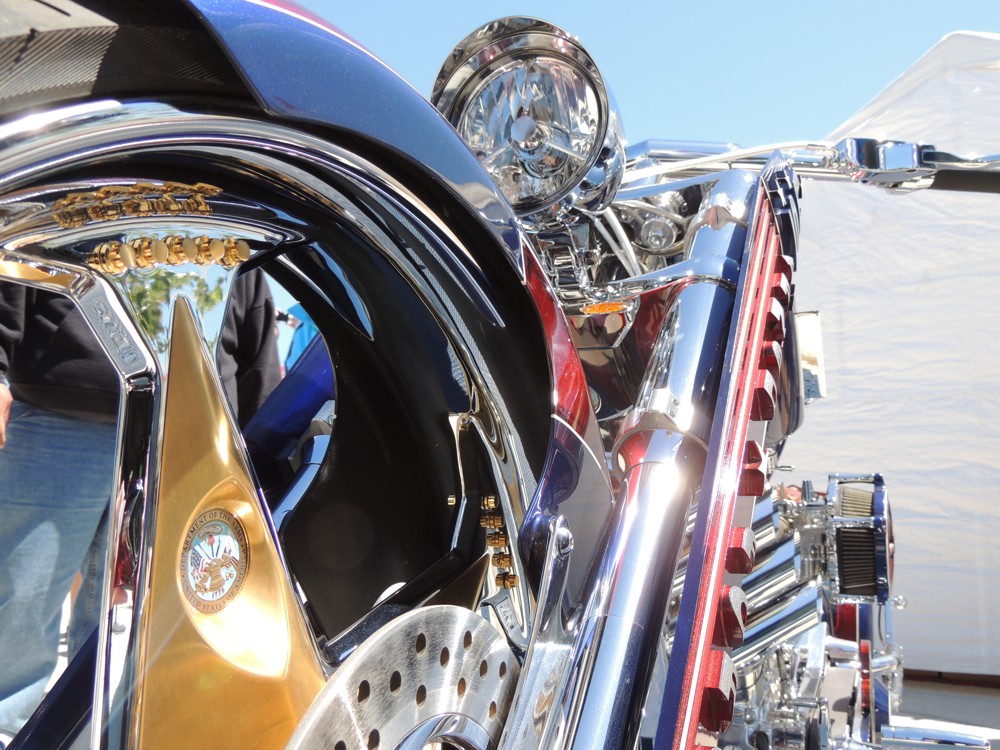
[
  {"x": 113, "y": 202},
  {"x": 502, "y": 558},
  {"x": 152, "y": 252}
]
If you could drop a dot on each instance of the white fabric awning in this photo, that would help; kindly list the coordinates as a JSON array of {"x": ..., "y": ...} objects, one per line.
[{"x": 909, "y": 291}]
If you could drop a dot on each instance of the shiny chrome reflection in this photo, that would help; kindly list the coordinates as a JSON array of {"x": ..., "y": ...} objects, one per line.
[
  {"x": 127, "y": 291},
  {"x": 784, "y": 618}
]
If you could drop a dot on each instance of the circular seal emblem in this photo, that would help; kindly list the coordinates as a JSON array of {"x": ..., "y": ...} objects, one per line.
[{"x": 214, "y": 560}]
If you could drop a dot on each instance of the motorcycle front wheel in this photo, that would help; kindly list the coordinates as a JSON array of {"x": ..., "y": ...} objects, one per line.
[{"x": 399, "y": 517}]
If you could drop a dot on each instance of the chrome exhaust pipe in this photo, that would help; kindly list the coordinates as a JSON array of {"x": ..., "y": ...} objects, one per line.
[
  {"x": 773, "y": 576},
  {"x": 783, "y": 619},
  {"x": 768, "y": 529}
]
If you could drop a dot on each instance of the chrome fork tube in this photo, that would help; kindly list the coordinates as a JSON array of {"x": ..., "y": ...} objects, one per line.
[
  {"x": 661, "y": 453},
  {"x": 618, "y": 634},
  {"x": 681, "y": 383}
]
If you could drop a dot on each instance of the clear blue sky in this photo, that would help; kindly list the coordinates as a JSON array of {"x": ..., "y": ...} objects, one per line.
[{"x": 745, "y": 72}]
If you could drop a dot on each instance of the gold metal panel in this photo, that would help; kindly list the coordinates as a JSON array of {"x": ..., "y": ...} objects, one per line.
[{"x": 243, "y": 674}]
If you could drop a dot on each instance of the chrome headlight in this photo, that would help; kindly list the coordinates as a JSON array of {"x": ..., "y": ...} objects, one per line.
[{"x": 531, "y": 104}]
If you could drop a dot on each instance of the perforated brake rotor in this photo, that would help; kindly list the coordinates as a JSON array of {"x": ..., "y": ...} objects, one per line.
[{"x": 436, "y": 674}]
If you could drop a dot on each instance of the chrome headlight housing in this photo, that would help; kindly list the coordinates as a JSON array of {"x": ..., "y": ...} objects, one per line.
[{"x": 529, "y": 101}]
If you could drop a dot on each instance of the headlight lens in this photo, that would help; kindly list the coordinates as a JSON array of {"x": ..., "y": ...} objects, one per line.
[
  {"x": 533, "y": 124},
  {"x": 531, "y": 104}
]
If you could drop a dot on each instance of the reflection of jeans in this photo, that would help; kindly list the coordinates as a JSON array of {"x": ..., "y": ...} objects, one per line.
[{"x": 55, "y": 485}]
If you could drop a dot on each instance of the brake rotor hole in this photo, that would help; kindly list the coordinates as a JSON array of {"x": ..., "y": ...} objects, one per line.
[
  {"x": 395, "y": 681},
  {"x": 373, "y": 740},
  {"x": 444, "y": 657},
  {"x": 484, "y": 667},
  {"x": 421, "y": 695},
  {"x": 493, "y": 709},
  {"x": 340, "y": 746},
  {"x": 364, "y": 690},
  {"x": 503, "y": 669},
  {"x": 467, "y": 641},
  {"x": 421, "y": 642},
  {"x": 461, "y": 687}
]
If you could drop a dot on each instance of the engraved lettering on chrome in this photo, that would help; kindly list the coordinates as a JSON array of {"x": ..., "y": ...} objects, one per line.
[
  {"x": 139, "y": 199},
  {"x": 114, "y": 333},
  {"x": 505, "y": 610},
  {"x": 214, "y": 561}
]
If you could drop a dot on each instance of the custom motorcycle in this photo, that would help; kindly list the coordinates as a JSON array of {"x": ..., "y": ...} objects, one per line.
[{"x": 518, "y": 491}]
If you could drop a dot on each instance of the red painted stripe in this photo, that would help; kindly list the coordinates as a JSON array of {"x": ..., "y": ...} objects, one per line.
[{"x": 762, "y": 276}]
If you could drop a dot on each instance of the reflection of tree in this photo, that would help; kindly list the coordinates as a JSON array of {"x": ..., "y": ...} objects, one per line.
[{"x": 151, "y": 295}]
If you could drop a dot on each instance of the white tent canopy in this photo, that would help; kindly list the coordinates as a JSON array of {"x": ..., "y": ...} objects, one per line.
[{"x": 909, "y": 291}]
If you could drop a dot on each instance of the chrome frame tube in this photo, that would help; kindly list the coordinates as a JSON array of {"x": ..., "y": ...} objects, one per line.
[
  {"x": 597, "y": 685},
  {"x": 661, "y": 455},
  {"x": 678, "y": 391}
]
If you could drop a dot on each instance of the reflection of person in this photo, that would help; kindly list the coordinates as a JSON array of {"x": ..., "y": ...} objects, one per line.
[
  {"x": 305, "y": 331},
  {"x": 58, "y": 412}
]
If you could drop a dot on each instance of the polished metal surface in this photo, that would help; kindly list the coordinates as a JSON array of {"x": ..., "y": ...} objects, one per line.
[
  {"x": 620, "y": 629},
  {"x": 435, "y": 674},
  {"x": 583, "y": 680},
  {"x": 768, "y": 526},
  {"x": 701, "y": 683},
  {"x": 776, "y": 572},
  {"x": 658, "y": 451},
  {"x": 674, "y": 395},
  {"x": 785, "y": 618},
  {"x": 895, "y": 165},
  {"x": 534, "y": 719},
  {"x": 705, "y": 256}
]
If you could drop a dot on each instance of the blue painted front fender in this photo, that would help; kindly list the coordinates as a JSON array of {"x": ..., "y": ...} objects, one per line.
[{"x": 302, "y": 69}]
